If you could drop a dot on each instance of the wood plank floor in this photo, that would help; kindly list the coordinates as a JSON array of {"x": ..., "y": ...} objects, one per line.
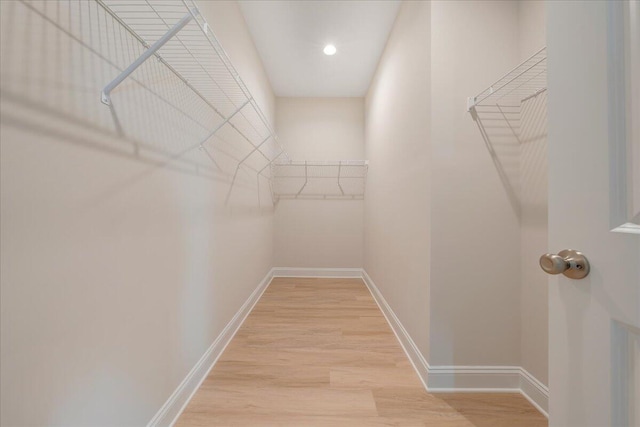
[{"x": 319, "y": 352}]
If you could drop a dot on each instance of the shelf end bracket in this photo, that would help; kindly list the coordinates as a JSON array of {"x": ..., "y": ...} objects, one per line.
[{"x": 471, "y": 107}]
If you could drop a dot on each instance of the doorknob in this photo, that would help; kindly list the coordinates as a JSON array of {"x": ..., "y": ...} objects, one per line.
[{"x": 572, "y": 264}]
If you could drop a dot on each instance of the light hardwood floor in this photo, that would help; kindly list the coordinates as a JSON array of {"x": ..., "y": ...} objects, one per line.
[{"x": 318, "y": 352}]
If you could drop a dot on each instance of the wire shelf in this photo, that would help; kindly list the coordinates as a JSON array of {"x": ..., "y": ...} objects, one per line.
[
  {"x": 527, "y": 80},
  {"x": 173, "y": 97},
  {"x": 191, "y": 79},
  {"x": 319, "y": 179},
  {"x": 511, "y": 117}
]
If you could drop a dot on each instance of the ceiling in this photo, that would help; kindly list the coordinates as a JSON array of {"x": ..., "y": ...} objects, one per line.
[{"x": 290, "y": 37}]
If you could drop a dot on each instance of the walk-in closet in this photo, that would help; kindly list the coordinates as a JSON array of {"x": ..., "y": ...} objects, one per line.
[{"x": 319, "y": 213}]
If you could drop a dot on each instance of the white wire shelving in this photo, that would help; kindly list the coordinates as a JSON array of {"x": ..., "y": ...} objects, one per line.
[
  {"x": 214, "y": 98},
  {"x": 171, "y": 95},
  {"x": 217, "y": 100},
  {"x": 525, "y": 81},
  {"x": 510, "y": 114},
  {"x": 319, "y": 179},
  {"x": 196, "y": 85}
]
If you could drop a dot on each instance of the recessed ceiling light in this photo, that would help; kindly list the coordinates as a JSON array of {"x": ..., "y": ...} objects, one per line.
[{"x": 330, "y": 50}]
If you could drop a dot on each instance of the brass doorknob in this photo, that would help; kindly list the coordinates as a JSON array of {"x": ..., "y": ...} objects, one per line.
[{"x": 572, "y": 264}]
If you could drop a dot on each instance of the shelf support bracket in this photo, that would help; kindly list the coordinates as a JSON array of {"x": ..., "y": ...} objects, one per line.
[
  {"x": 270, "y": 164},
  {"x": 244, "y": 159},
  {"x": 339, "y": 171},
  {"x": 306, "y": 179},
  {"x": 513, "y": 131},
  {"x": 471, "y": 107},
  {"x": 106, "y": 92},
  {"x": 270, "y": 178}
]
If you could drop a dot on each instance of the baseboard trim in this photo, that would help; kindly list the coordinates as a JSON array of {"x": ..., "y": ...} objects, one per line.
[
  {"x": 447, "y": 378},
  {"x": 177, "y": 402},
  {"x": 336, "y": 273},
  {"x": 410, "y": 348},
  {"x": 462, "y": 379},
  {"x": 534, "y": 391},
  {"x": 489, "y": 379}
]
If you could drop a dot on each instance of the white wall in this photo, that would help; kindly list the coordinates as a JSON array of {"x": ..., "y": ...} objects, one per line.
[
  {"x": 475, "y": 239},
  {"x": 320, "y": 233},
  {"x": 533, "y": 203},
  {"x": 531, "y": 27},
  {"x": 493, "y": 310},
  {"x": 117, "y": 273},
  {"x": 436, "y": 197},
  {"x": 397, "y": 209}
]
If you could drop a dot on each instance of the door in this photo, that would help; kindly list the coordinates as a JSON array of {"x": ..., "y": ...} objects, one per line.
[{"x": 594, "y": 207}]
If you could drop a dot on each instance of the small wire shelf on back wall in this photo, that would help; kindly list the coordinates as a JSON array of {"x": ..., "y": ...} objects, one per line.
[
  {"x": 319, "y": 179},
  {"x": 510, "y": 113}
]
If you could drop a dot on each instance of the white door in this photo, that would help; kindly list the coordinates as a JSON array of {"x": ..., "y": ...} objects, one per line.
[{"x": 594, "y": 207}]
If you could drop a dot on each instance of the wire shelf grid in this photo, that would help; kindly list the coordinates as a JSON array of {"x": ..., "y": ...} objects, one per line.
[
  {"x": 319, "y": 179},
  {"x": 195, "y": 80},
  {"x": 526, "y": 80},
  {"x": 511, "y": 117}
]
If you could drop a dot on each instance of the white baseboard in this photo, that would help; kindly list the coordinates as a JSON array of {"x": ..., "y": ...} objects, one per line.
[
  {"x": 474, "y": 378},
  {"x": 535, "y": 392},
  {"x": 489, "y": 379},
  {"x": 408, "y": 345},
  {"x": 173, "y": 407},
  {"x": 479, "y": 379},
  {"x": 317, "y": 272}
]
